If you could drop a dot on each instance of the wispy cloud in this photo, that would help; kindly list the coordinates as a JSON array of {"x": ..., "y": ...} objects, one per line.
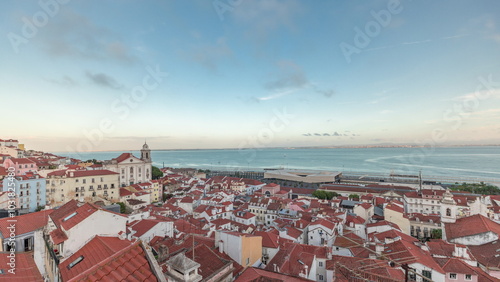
[
  {"x": 289, "y": 79},
  {"x": 63, "y": 81},
  {"x": 73, "y": 35},
  {"x": 103, "y": 80},
  {"x": 210, "y": 55},
  {"x": 417, "y": 42}
]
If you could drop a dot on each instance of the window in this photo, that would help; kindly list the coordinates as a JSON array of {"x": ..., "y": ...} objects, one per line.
[
  {"x": 320, "y": 277},
  {"x": 448, "y": 212},
  {"x": 453, "y": 276},
  {"x": 320, "y": 264},
  {"x": 84, "y": 181},
  {"x": 468, "y": 276},
  {"x": 248, "y": 261},
  {"x": 131, "y": 170},
  {"x": 428, "y": 274}
]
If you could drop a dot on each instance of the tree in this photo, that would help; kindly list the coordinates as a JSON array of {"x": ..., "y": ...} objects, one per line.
[
  {"x": 354, "y": 197},
  {"x": 320, "y": 194},
  {"x": 156, "y": 172},
  {"x": 123, "y": 209},
  {"x": 436, "y": 234},
  {"x": 167, "y": 196},
  {"x": 476, "y": 188},
  {"x": 39, "y": 208}
]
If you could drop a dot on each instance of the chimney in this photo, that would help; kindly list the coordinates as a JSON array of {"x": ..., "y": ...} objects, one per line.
[
  {"x": 162, "y": 253},
  {"x": 221, "y": 246},
  {"x": 306, "y": 269},
  {"x": 379, "y": 248},
  {"x": 274, "y": 267}
]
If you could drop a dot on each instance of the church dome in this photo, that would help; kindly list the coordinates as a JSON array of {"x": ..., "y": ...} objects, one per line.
[{"x": 145, "y": 146}]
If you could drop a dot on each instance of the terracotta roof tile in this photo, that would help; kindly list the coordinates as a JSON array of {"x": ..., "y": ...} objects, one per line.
[
  {"x": 26, "y": 269},
  {"x": 472, "y": 225},
  {"x": 25, "y": 223},
  {"x": 257, "y": 274},
  {"x": 108, "y": 259}
]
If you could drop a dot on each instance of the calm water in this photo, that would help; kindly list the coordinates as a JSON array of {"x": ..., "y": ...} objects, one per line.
[{"x": 471, "y": 162}]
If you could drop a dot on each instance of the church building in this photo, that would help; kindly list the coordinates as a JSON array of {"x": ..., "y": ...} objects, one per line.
[{"x": 132, "y": 170}]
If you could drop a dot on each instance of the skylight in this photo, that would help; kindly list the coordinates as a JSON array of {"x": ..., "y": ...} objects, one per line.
[
  {"x": 70, "y": 216},
  {"x": 75, "y": 262}
]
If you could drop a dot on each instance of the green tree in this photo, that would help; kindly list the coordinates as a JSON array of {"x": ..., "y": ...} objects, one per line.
[
  {"x": 354, "y": 197},
  {"x": 156, "y": 172},
  {"x": 123, "y": 209},
  {"x": 476, "y": 188},
  {"x": 436, "y": 234},
  {"x": 320, "y": 194},
  {"x": 39, "y": 208}
]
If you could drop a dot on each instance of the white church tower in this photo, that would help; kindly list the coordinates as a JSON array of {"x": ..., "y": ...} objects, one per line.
[
  {"x": 146, "y": 153},
  {"x": 448, "y": 208}
]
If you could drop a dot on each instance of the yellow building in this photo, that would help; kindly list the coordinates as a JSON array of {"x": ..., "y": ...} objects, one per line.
[
  {"x": 243, "y": 248},
  {"x": 395, "y": 214},
  {"x": 82, "y": 185}
]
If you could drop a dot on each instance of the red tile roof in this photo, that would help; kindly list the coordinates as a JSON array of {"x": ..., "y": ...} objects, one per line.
[
  {"x": 58, "y": 236},
  {"x": 257, "y": 274},
  {"x": 80, "y": 214},
  {"x": 365, "y": 269},
  {"x": 143, "y": 226},
  {"x": 22, "y": 161},
  {"x": 487, "y": 254},
  {"x": 84, "y": 173},
  {"x": 108, "y": 259},
  {"x": 326, "y": 223},
  {"x": 269, "y": 239},
  {"x": 210, "y": 262},
  {"x": 292, "y": 258},
  {"x": 348, "y": 240},
  {"x": 63, "y": 211},
  {"x": 123, "y": 157},
  {"x": 472, "y": 225},
  {"x": 25, "y": 223},
  {"x": 410, "y": 253},
  {"x": 25, "y": 268}
]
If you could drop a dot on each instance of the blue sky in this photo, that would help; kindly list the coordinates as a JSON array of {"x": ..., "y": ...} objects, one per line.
[{"x": 249, "y": 73}]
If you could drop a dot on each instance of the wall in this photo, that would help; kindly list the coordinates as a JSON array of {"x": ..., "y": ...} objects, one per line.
[
  {"x": 99, "y": 223},
  {"x": 251, "y": 247}
]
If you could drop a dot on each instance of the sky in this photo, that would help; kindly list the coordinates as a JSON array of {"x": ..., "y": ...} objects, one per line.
[{"x": 110, "y": 75}]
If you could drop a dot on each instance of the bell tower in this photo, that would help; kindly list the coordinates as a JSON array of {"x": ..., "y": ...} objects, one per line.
[
  {"x": 448, "y": 208},
  {"x": 146, "y": 153}
]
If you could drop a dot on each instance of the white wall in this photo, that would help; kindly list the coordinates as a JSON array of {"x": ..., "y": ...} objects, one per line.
[{"x": 99, "y": 223}]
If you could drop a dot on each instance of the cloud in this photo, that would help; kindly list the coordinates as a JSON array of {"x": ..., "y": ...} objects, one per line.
[
  {"x": 307, "y": 134},
  {"x": 417, "y": 42},
  {"x": 73, "y": 35},
  {"x": 317, "y": 134},
  {"x": 289, "y": 79},
  {"x": 326, "y": 134},
  {"x": 63, "y": 81},
  {"x": 262, "y": 18},
  {"x": 291, "y": 76},
  {"x": 336, "y": 134},
  {"x": 104, "y": 80},
  {"x": 210, "y": 55}
]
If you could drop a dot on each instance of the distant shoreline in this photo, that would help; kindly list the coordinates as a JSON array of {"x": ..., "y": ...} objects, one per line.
[{"x": 301, "y": 147}]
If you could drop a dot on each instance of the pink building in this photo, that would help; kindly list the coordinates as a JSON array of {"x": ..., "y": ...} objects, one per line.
[{"x": 22, "y": 165}]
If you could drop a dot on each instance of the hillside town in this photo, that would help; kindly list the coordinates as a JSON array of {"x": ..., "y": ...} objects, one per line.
[{"x": 65, "y": 219}]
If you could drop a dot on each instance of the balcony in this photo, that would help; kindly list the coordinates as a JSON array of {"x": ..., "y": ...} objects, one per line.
[{"x": 50, "y": 249}]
